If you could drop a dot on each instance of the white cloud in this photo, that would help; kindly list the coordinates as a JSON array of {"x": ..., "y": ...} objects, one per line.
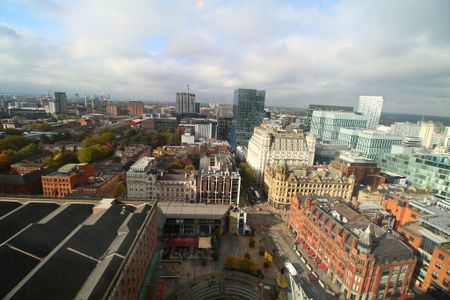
[{"x": 300, "y": 55}]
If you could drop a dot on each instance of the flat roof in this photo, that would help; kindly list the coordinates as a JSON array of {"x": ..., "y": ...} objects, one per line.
[{"x": 192, "y": 210}]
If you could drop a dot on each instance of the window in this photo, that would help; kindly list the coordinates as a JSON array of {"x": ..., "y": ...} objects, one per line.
[
  {"x": 411, "y": 238},
  {"x": 438, "y": 265},
  {"x": 445, "y": 282},
  {"x": 441, "y": 257},
  {"x": 434, "y": 275}
]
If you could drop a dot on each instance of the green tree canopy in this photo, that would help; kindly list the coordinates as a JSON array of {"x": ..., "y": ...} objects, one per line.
[{"x": 120, "y": 190}]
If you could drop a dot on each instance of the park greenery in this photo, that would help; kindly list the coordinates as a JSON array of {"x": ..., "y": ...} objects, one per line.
[
  {"x": 60, "y": 159},
  {"x": 40, "y": 126},
  {"x": 248, "y": 178},
  {"x": 241, "y": 264},
  {"x": 152, "y": 138},
  {"x": 14, "y": 148}
]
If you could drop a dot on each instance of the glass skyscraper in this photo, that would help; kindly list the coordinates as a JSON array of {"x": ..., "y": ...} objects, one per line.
[{"x": 248, "y": 113}]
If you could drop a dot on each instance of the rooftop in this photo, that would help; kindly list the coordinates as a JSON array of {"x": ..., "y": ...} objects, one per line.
[
  {"x": 42, "y": 241},
  {"x": 192, "y": 210}
]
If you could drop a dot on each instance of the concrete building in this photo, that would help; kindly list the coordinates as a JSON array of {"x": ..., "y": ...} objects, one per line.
[
  {"x": 364, "y": 260},
  {"x": 326, "y": 152},
  {"x": 427, "y": 132},
  {"x": 136, "y": 108},
  {"x": 269, "y": 145},
  {"x": 176, "y": 186},
  {"x": 64, "y": 181},
  {"x": 192, "y": 219},
  {"x": 237, "y": 222},
  {"x": 424, "y": 223},
  {"x": 218, "y": 187},
  {"x": 75, "y": 250},
  {"x": 205, "y": 129},
  {"x": 371, "y": 107},
  {"x": 405, "y": 129},
  {"x": 112, "y": 110},
  {"x": 141, "y": 179},
  {"x": 325, "y": 125},
  {"x": 422, "y": 170},
  {"x": 281, "y": 183},
  {"x": 248, "y": 113},
  {"x": 185, "y": 103},
  {"x": 320, "y": 107}
]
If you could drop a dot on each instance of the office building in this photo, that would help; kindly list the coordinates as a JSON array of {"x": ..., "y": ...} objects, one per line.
[
  {"x": 141, "y": 179},
  {"x": 371, "y": 107},
  {"x": 76, "y": 250},
  {"x": 319, "y": 107},
  {"x": 325, "y": 151},
  {"x": 423, "y": 222},
  {"x": 364, "y": 260},
  {"x": 421, "y": 170},
  {"x": 281, "y": 183},
  {"x": 205, "y": 129},
  {"x": 325, "y": 125},
  {"x": 372, "y": 143},
  {"x": 136, "y": 108},
  {"x": 269, "y": 145},
  {"x": 405, "y": 129},
  {"x": 217, "y": 181},
  {"x": 176, "y": 186},
  {"x": 248, "y": 113},
  {"x": 186, "y": 103}
]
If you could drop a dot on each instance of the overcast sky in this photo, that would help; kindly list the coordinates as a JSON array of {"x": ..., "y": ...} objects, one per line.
[{"x": 300, "y": 52}]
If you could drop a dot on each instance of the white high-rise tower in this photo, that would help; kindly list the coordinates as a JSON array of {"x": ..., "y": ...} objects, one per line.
[{"x": 370, "y": 107}]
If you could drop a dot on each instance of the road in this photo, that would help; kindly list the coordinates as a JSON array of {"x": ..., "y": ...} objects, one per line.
[{"x": 271, "y": 227}]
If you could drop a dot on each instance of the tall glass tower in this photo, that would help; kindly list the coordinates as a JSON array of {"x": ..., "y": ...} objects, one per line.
[
  {"x": 248, "y": 113},
  {"x": 370, "y": 107}
]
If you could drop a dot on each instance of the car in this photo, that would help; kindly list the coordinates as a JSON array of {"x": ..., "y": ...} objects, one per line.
[
  {"x": 312, "y": 278},
  {"x": 290, "y": 268}
]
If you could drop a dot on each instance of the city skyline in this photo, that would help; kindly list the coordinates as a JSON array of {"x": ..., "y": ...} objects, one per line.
[{"x": 327, "y": 52}]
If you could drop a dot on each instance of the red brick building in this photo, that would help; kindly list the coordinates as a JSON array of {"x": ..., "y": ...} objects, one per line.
[
  {"x": 135, "y": 108},
  {"x": 62, "y": 182},
  {"x": 102, "y": 186},
  {"x": 365, "y": 170},
  {"x": 18, "y": 184},
  {"x": 364, "y": 260}
]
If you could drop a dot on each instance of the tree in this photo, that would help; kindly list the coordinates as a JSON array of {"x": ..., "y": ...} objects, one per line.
[
  {"x": 12, "y": 131},
  {"x": 93, "y": 153},
  {"x": 189, "y": 167},
  {"x": 30, "y": 150},
  {"x": 232, "y": 262},
  {"x": 5, "y": 160},
  {"x": 13, "y": 142},
  {"x": 175, "y": 164},
  {"x": 120, "y": 190},
  {"x": 129, "y": 133},
  {"x": 40, "y": 126},
  {"x": 248, "y": 177}
]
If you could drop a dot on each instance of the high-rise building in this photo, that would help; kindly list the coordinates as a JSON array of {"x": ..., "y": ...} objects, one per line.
[
  {"x": 371, "y": 107},
  {"x": 269, "y": 145},
  {"x": 136, "y": 108},
  {"x": 405, "y": 129},
  {"x": 427, "y": 132},
  {"x": 366, "y": 261},
  {"x": 325, "y": 125},
  {"x": 248, "y": 113},
  {"x": 186, "y": 103},
  {"x": 59, "y": 104},
  {"x": 112, "y": 110}
]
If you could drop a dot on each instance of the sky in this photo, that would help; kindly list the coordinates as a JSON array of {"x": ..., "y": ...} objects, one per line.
[{"x": 300, "y": 52}]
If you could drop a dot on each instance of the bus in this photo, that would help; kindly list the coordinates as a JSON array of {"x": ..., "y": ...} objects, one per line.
[{"x": 290, "y": 268}]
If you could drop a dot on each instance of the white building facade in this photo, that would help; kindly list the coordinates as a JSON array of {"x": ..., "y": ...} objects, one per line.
[
  {"x": 370, "y": 107},
  {"x": 270, "y": 145},
  {"x": 140, "y": 181}
]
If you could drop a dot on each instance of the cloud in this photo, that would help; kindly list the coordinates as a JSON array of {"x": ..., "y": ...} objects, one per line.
[{"x": 312, "y": 52}]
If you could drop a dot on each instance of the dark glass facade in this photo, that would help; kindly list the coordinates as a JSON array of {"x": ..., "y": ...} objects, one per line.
[{"x": 248, "y": 113}]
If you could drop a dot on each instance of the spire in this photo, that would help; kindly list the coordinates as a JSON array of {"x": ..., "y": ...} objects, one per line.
[{"x": 366, "y": 237}]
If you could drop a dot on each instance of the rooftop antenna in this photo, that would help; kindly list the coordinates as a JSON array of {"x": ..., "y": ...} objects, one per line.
[{"x": 188, "y": 87}]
